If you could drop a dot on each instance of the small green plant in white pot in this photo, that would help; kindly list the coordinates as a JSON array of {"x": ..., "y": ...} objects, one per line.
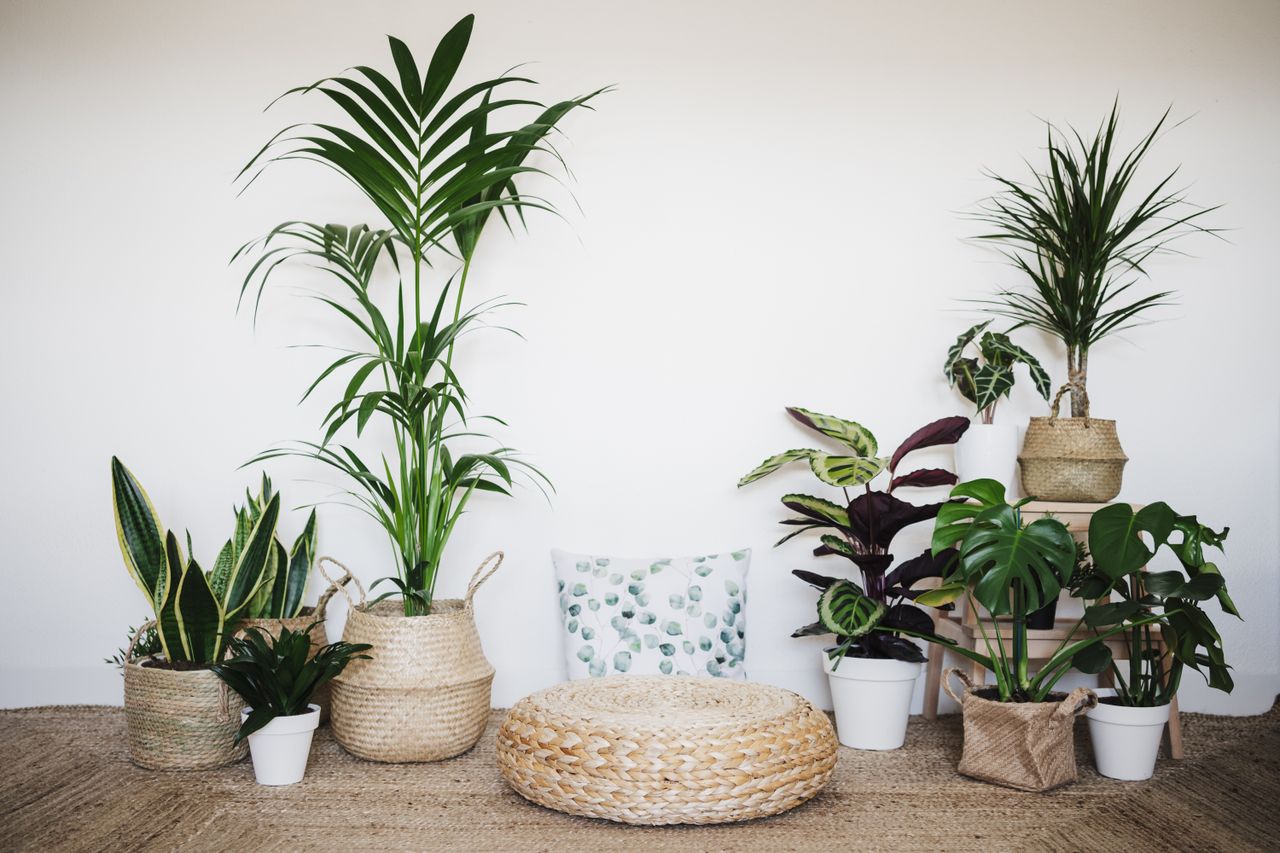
[
  {"x": 872, "y": 668},
  {"x": 1127, "y": 724},
  {"x": 276, "y": 677},
  {"x": 989, "y": 450}
]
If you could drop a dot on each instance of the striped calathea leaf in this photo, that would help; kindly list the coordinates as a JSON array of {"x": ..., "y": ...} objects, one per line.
[
  {"x": 193, "y": 620},
  {"x": 852, "y": 435}
]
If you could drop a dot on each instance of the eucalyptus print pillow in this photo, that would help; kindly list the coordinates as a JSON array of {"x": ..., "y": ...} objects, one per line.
[{"x": 672, "y": 616}]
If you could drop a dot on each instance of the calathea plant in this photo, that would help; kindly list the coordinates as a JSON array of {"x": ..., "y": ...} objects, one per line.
[
  {"x": 435, "y": 168},
  {"x": 196, "y": 613},
  {"x": 285, "y": 576},
  {"x": 1153, "y": 605},
  {"x": 984, "y": 379},
  {"x": 868, "y": 619}
]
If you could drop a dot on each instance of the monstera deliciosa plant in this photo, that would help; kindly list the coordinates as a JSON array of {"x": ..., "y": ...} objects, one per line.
[
  {"x": 984, "y": 379},
  {"x": 868, "y": 618},
  {"x": 435, "y": 166}
]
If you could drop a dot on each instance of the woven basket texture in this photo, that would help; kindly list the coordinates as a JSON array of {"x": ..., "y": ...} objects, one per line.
[
  {"x": 1023, "y": 745},
  {"x": 180, "y": 720},
  {"x": 666, "y": 750},
  {"x": 1072, "y": 459}
]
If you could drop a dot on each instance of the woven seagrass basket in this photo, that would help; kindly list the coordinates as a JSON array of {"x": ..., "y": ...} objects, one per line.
[
  {"x": 655, "y": 750},
  {"x": 179, "y": 720},
  {"x": 1072, "y": 459},
  {"x": 424, "y": 695},
  {"x": 1025, "y": 745},
  {"x": 310, "y": 617}
]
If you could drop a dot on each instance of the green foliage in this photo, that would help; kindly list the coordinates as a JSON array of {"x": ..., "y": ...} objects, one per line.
[
  {"x": 193, "y": 621},
  {"x": 285, "y": 576},
  {"x": 435, "y": 170},
  {"x": 984, "y": 381},
  {"x": 147, "y": 644},
  {"x": 1083, "y": 233},
  {"x": 276, "y": 677},
  {"x": 1172, "y": 598}
]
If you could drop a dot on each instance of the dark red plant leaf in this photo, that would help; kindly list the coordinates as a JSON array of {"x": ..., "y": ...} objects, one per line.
[
  {"x": 925, "y": 477},
  {"x": 817, "y": 580},
  {"x": 942, "y": 431},
  {"x": 876, "y": 517},
  {"x": 908, "y": 616},
  {"x": 908, "y": 573},
  {"x": 881, "y": 645}
]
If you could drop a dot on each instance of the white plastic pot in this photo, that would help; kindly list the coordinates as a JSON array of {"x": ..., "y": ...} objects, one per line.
[
  {"x": 872, "y": 700},
  {"x": 988, "y": 451},
  {"x": 1126, "y": 740},
  {"x": 280, "y": 749}
]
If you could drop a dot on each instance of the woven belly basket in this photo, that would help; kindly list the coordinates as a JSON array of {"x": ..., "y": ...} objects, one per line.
[
  {"x": 424, "y": 696},
  {"x": 664, "y": 750}
]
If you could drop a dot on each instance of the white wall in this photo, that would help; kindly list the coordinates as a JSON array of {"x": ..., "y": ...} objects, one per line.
[{"x": 769, "y": 217}]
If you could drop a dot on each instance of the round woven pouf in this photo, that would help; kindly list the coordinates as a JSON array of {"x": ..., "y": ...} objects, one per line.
[{"x": 661, "y": 749}]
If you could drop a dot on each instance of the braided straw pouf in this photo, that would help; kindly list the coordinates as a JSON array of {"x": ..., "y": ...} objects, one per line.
[{"x": 663, "y": 749}]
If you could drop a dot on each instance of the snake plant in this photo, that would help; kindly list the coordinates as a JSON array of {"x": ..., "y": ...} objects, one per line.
[
  {"x": 434, "y": 166},
  {"x": 285, "y": 576},
  {"x": 195, "y": 612}
]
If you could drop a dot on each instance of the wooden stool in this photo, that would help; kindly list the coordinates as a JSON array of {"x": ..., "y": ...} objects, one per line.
[{"x": 966, "y": 632}]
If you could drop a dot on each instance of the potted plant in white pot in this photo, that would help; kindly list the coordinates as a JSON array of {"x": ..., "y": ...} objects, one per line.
[
  {"x": 989, "y": 450},
  {"x": 872, "y": 672},
  {"x": 1127, "y": 725},
  {"x": 1082, "y": 233},
  {"x": 435, "y": 168},
  {"x": 277, "y": 676},
  {"x": 178, "y": 715}
]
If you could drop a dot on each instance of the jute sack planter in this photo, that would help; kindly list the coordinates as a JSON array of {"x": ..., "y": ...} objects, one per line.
[
  {"x": 1024, "y": 745},
  {"x": 1072, "y": 459},
  {"x": 306, "y": 619},
  {"x": 179, "y": 720},
  {"x": 424, "y": 696}
]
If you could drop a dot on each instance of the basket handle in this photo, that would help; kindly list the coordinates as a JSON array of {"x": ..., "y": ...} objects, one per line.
[
  {"x": 1077, "y": 702},
  {"x": 956, "y": 672},
  {"x": 336, "y": 585},
  {"x": 481, "y": 575},
  {"x": 1074, "y": 383},
  {"x": 133, "y": 644}
]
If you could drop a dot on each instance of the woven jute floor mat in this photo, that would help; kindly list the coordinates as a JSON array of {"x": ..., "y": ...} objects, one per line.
[{"x": 67, "y": 785}]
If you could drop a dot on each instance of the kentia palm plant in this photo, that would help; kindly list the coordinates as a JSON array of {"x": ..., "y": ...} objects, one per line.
[
  {"x": 435, "y": 171},
  {"x": 1083, "y": 231}
]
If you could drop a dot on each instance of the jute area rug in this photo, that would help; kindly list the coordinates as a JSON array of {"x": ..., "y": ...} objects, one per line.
[{"x": 67, "y": 785}]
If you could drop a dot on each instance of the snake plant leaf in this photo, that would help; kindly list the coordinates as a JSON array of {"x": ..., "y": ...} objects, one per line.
[
  {"x": 844, "y": 610},
  {"x": 939, "y": 432},
  {"x": 846, "y": 471},
  {"x": 773, "y": 463},
  {"x": 301, "y": 559},
  {"x": 168, "y": 627},
  {"x": 246, "y": 576},
  {"x": 222, "y": 567},
  {"x": 852, "y": 435},
  {"x": 199, "y": 618},
  {"x": 1008, "y": 352},
  {"x": 261, "y": 603},
  {"x": 955, "y": 355},
  {"x": 138, "y": 531},
  {"x": 818, "y": 509}
]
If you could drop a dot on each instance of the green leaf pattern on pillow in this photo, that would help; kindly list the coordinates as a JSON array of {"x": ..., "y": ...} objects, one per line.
[{"x": 674, "y": 616}]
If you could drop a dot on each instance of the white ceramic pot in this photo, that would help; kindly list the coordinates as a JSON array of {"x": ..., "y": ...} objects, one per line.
[
  {"x": 1126, "y": 740},
  {"x": 988, "y": 451},
  {"x": 872, "y": 700},
  {"x": 280, "y": 748}
]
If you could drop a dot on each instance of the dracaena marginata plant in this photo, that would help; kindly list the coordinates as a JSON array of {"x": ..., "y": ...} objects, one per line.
[
  {"x": 1173, "y": 598},
  {"x": 868, "y": 619},
  {"x": 276, "y": 677},
  {"x": 1082, "y": 229},
  {"x": 984, "y": 379},
  {"x": 284, "y": 580},
  {"x": 195, "y": 613},
  {"x": 435, "y": 168}
]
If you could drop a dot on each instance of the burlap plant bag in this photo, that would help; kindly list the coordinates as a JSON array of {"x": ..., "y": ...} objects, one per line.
[
  {"x": 179, "y": 720},
  {"x": 1072, "y": 459},
  {"x": 424, "y": 695},
  {"x": 1024, "y": 745},
  {"x": 310, "y": 617}
]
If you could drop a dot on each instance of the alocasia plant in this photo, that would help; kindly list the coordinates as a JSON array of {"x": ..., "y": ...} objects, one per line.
[
  {"x": 866, "y": 618},
  {"x": 983, "y": 381}
]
